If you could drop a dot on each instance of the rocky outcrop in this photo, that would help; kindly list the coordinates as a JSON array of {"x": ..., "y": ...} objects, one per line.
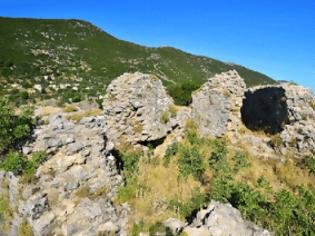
[
  {"x": 138, "y": 110},
  {"x": 299, "y": 134},
  {"x": 75, "y": 187},
  {"x": 216, "y": 105},
  {"x": 219, "y": 220}
]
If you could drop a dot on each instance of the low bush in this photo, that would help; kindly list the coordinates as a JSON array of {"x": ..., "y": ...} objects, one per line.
[
  {"x": 181, "y": 93},
  {"x": 14, "y": 129},
  {"x": 309, "y": 163},
  {"x": 159, "y": 229},
  {"x": 170, "y": 152},
  {"x": 284, "y": 213},
  {"x": 240, "y": 161},
  {"x": 130, "y": 171},
  {"x": 190, "y": 162},
  {"x": 188, "y": 209},
  {"x": 217, "y": 159},
  {"x": 18, "y": 164}
]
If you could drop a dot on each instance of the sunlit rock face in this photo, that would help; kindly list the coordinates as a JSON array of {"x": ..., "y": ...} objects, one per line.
[
  {"x": 216, "y": 105},
  {"x": 265, "y": 109}
]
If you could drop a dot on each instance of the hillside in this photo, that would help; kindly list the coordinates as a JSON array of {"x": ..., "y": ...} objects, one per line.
[
  {"x": 230, "y": 163},
  {"x": 73, "y": 59}
]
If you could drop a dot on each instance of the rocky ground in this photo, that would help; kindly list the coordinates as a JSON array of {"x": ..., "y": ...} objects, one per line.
[{"x": 75, "y": 188}]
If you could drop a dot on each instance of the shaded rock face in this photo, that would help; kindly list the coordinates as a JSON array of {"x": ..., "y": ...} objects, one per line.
[
  {"x": 216, "y": 105},
  {"x": 138, "y": 110},
  {"x": 265, "y": 109}
]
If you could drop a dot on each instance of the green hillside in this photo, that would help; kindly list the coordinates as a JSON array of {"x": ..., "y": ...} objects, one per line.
[{"x": 72, "y": 59}]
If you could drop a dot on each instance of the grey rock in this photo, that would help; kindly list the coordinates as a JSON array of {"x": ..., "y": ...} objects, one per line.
[
  {"x": 222, "y": 220},
  {"x": 216, "y": 105},
  {"x": 143, "y": 99},
  {"x": 175, "y": 225},
  {"x": 75, "y": 148}
]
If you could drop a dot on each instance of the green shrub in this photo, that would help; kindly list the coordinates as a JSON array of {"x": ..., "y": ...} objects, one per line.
[
  {"x": 14, "y": 162},
  {"x": 217, "y": 159},
  {"x": 99, "y": 103},
  {"x": 263, "y": 184},
  {"x": 130, "y": 170},
  {"x": 193, "y": 137},
  {"x": 190, "y": 162},
  {"x": 159, "y": 229},
  {"x": 127, "y": 192},
  {"x": 138, "y": 228},
  {"x": 285, "y": 214},
  {"x": 14, "y": 129},
  {"x": 187, "y": 209},
  {"x": 170, "y": 152},
  {"x": 181, "y": 93},
  {"x": 240, "y": 161},
  {"x": 309, "y": 162},
  {"x": 18, "y": 164},
  {"x": 130, "y": 163}
]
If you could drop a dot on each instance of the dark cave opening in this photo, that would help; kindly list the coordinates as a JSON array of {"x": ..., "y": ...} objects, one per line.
[
  {"x": 265, "y": 109},
  {"x": 152, "y": 143}
]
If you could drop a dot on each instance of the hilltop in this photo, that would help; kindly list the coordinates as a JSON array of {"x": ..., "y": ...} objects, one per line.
[{"x": 72, "y": 60}]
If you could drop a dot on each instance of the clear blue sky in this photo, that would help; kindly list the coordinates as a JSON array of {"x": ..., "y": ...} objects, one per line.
[{"x": 276, "y": 37}]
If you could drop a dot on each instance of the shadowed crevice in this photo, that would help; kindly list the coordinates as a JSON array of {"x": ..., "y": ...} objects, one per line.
[{"x": 265, "y": 109}]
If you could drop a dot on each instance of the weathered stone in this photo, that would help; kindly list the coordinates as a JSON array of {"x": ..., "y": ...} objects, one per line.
[
  {"x": 222, "y": 220},
  {"x": 175, "y": 225},
  {"x": 79, "y": 167},
  {"x": 216, "y": 105},
  {"x": 143, "y": 99}
]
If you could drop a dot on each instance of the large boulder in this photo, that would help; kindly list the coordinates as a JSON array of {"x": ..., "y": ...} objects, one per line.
[
  {"x": 299, "y": 134},
  {"x": 216, "y": 105},
  {"x": 218, "y": 220},
  {"x": 138, "y": 110}
]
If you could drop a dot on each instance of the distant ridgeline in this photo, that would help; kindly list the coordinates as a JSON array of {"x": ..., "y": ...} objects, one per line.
[{"x": 73, "y": 60}]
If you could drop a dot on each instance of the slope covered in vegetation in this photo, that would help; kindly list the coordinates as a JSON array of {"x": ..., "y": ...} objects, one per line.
[
  {"x": 278, "y": 196},
  {"x": 73, "y": 59}
]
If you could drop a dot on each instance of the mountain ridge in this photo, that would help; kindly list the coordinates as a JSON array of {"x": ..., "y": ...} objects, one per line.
[{"x": 61, "y": 55}]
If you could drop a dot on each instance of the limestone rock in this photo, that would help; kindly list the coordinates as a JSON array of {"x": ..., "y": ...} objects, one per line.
[
  {"x": 175, "y": 225},
  {"x": 222, "y": 220},
  {"x": 299, "y": 134},
  {"x": 74, "y": 187},
  {"x": 137, "y": 109},
  {"x": 216, "y": 105}
]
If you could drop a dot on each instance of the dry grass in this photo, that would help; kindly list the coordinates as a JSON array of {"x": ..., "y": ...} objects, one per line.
[
  {"x": 70, "y": 108},
  {"x": 76, "y": 117},
  {"x": 138, "y": 127},
  {"x": 151, "y": 204},
  {"x": 47, "y": 111},
  {"x": 165, "y": 117},
  {"x": 173, "y": 110},
  {"x": 25, "y": 229},
  {"x": 190, "y": 124}
]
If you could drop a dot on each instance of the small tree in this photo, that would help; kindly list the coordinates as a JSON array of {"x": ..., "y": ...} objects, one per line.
[{"x": 14, "y": 129}]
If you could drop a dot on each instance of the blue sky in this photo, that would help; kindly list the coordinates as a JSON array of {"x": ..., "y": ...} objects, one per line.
[{"x": 274, "y": 37}]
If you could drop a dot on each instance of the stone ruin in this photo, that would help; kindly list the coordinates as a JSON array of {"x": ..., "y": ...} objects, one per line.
[{"x": 140, "y": 112}]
